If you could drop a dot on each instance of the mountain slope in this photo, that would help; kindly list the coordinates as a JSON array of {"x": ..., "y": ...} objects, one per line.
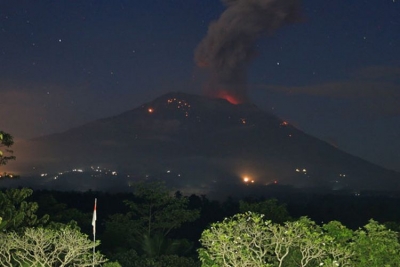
[{"x": 209, "y": 143}]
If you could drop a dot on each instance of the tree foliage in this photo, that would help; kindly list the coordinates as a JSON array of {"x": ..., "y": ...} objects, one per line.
[
  {"x": 48, "y": 247},
  {"x": 270, "y": 208},
  {"x": 157, "y": 210},
  {"x": 374, "y": 245},
  {"x": 132, "y": 259},
  {"x": 17, "y": 212},
  {"x": 61, "y": 214},
  {"x": 6, "y": 141},
  {"x": 249, "y": 240},
  {"x": 147, "y": 227}
]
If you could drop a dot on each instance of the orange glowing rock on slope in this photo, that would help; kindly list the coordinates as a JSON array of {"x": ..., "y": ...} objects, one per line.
[{"x": 228, "y": 97}]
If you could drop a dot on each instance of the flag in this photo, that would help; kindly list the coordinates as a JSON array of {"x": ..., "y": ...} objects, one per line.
[{"x": 94, "y": 217}]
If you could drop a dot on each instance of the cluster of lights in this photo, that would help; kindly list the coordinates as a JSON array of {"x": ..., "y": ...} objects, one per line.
[
  {"x": 6, "y": 175},
  {"x": 169, "y": 172},
  {"x": 247, "y": 180},
  {"x": 302, "y": 170},
  {"x": 95, "y": 169},
  {"x": 180, "y": 104},
  {"x": 103, "y": 170}
]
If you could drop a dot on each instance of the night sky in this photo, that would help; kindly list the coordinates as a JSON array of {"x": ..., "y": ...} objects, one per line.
[{"x": 334, "y": 74}]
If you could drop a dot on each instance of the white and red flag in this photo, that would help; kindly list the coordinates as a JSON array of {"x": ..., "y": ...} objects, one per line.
[{"x": 94, "y": 217}]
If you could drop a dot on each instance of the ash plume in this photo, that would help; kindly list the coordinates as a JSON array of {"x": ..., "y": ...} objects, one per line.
[{"x": 229, "y": 44}]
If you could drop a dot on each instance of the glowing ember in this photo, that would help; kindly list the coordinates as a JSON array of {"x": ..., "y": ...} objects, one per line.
[
  {"x": 180, "y": 104},
  {"x": 228, "y": 97}
]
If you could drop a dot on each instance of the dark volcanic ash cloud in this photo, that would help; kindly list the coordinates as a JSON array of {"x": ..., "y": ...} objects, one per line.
[{"x": 229, "y": 44}]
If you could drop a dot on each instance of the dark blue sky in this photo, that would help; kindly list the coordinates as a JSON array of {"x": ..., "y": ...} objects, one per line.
[{"x": 336, "y": 75}]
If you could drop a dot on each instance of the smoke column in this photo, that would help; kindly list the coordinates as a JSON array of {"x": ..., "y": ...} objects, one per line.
[{"x": 229, "y": 45}]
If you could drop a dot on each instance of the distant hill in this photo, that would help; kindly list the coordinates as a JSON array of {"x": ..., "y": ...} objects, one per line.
[{"x": 203, "y": 144}]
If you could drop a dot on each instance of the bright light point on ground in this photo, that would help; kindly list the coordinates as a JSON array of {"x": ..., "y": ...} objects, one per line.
[
  {"x": 150, "y": 110},
  {"x": 247, "y": 180},
  {"x": 297, "y": 170}
]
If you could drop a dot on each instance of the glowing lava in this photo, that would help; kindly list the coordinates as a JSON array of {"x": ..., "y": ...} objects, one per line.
[{"x": 228, "y": 97}]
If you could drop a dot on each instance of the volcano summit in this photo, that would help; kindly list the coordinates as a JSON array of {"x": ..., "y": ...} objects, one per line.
[{"x": 199, "y": 144}]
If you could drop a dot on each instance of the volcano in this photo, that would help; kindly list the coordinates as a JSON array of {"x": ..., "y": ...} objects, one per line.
[{"x": 202, "y": 144}]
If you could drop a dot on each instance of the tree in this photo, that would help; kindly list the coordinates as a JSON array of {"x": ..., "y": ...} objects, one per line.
[
  {"x": 313, "y": 246},
  {"x": 6, "y": 141},
  {"x": 147, "y": 227},
  {"x": 60, "y": 212},
  {"x": 158, "y": 211},
  {"x": 132, "y": 259},
  {"x": 18, "y": 213},
  {"x": 242, "y": 240},
  {"x": 48, "y": 247},
  {"x": 270, "y": 208},
  {"x": 249, "y": 240},
  {"x": 121, "y": 234},
  {"x": 374, "y": 245}
]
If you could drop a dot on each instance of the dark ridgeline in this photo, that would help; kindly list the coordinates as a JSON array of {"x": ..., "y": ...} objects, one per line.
[{"x": 201, "y": 145}]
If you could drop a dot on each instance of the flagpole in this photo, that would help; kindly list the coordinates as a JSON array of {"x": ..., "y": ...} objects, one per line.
[{"x": 94, "y": 229}]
